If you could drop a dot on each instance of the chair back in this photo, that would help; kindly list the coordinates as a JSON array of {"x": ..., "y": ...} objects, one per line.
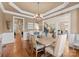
[
  {"x": 60, "y": 45},
  {"x": 71, "y": 38},
  {"x": 0, "y": 45},
  {"x": 33, "y": 41}
]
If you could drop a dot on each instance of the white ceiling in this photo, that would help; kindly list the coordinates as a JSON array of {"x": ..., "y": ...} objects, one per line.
[{"x": 32, "y": 7}]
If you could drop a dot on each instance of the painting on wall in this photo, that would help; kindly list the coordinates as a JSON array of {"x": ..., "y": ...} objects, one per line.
[{"x": 9, "y": 26}]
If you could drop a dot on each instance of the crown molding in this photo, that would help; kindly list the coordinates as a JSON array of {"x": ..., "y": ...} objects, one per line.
[
  {"x": 13, "y": 13},
  {"x": 47, "y": 17},
  {"x": 63, "y": 11},
  {"x": 55, "y": 9},
  {"x": 45, "y": 14},
  {"x": 20, "y": 10}
]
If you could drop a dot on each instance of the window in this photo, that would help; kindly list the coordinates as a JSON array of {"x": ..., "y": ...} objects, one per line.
[
  {"x": 33, "y": 26},
  {"x": 30, "y": 26}
]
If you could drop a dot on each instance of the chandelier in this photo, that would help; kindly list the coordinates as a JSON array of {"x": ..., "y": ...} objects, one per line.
[{"x": 37, "y": 16}]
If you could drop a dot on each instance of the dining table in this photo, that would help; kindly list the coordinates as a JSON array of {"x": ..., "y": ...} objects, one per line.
[{"x": 46, "y": 41}]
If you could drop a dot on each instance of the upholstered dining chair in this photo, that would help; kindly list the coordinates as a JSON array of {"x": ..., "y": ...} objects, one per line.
[
  {"x": 59, "y": 48},
  {"x": 0, "y": 45},
  {"x": 36, "y": 47}
]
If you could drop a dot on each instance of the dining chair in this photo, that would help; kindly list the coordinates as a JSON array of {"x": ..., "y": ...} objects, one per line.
[
  {"x": 71, "y": 39},
  {"x": 0, "y": 45},
  {"x": 36, "y": 47},
  {"x": 58, "y": 50},
  {"x": 49, "y": 36},
  {"x": 76, "y": 41}
]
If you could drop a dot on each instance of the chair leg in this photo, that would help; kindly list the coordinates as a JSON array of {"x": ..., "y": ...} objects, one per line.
[
  {"x": 36, "y": 54},
  {"x": 62, "y": 55},
  {"x": 45, "y": 54}
]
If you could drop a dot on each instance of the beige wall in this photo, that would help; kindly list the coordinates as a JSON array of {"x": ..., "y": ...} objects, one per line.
[
  {"x": 78, "y": 20},
  {"x": 75, "y": 21},
  {"x": 2, "y": 23},
  {"x": 60, "y": 22}
]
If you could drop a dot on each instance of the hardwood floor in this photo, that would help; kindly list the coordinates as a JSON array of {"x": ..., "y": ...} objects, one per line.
[
  {"x": 20, "y": 48},
  {"x": 23, "y": 48},
  {"x": 73, "y": 52},
  {"x": 25, "y": 51},
  {"x": 8, "y": 51}
]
